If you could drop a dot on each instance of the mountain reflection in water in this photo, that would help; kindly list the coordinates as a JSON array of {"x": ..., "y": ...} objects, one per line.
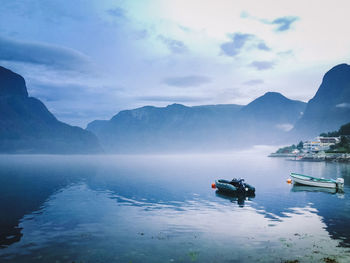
[{"x": 161, "y": 208}]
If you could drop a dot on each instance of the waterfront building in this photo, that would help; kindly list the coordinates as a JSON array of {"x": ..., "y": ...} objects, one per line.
[
  {"x": 332, "y": 140},
  {"x": 311, "y": 146},
  {"x": 320, "y": 144}
]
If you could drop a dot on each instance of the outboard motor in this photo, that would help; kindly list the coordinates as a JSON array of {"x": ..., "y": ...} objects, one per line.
[
  {"x": 340, "y": 183},
  {"x": 241, "y": 186}
]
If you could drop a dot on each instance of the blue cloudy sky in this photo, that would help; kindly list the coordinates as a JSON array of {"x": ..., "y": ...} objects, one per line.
[{"x": 89, "y": 59}]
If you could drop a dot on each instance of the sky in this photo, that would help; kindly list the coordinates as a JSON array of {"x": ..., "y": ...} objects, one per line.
[{"x": 90, "y": 59}]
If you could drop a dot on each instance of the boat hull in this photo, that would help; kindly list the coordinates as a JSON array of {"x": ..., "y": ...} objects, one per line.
[
  {"x": 225, "y": 186},
  {"x": 304, "y": 180}
]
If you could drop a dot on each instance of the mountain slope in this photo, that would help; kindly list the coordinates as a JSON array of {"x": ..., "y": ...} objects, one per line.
[
  {"x": 330, "y": 107},
  {"x": 269, "y": 117},
  {"x": 275, "y": 107},
  {"x": 210, "y": 127},
  {"x": 175, "y": 127},
  {"x": 26, "y": 125}
]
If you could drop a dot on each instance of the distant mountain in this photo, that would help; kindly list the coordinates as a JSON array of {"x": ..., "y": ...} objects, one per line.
[
  {"x": 330, "y": 107},
  {"x": 267, "y": 119},
  {"x": 26, "y": 125},
  {"x": 175, "y": 127},
  {"x": 211, "y": 127},
  {"x": 274, "y": 107}
]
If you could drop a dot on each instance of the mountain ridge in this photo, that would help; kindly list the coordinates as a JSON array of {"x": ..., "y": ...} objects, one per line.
[
  {"x": 27, "y": 126},
  {"x": 12, "y": 84},
  {"x": 330, "y": 107},
  {"x": 179, "y": 127}
]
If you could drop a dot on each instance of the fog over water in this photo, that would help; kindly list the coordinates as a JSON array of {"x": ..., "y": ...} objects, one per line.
[
  {"x": 161, "y": 208},
  {"x": 116, "y": 118}
]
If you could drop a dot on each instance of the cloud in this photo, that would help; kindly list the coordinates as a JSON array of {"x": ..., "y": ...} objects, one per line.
[
  {"x": 253, "y": 82},
  {"x": 76, "y": 100},
  {"x": 173, "y": 45},
  {"x": 343, "y": 105},
  {"x": 172, "y": 98},
  {"x": 235, "y": 46},
  {"x": 244, "y": 14},
  {"x": 56, "y": 91},
  {"x": 287, "y": 53},
  {"x": 41, "y": 53},
  {"x": 262, "y": 65},
  {"x": 141, "y": 34},
  {"x": 284, "y": 23},
  {"x": 263, "y": 46},
  {"x": 239, "y": 41},
  {"x": 116, "y": 12},
  {"x": 285, "y": 127},
  {"x": 184, "y": 28},
  {"x": 187, "y": 81}
]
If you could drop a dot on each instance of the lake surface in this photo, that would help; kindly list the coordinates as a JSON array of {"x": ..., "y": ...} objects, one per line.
[{"x": 162, "y": 209}]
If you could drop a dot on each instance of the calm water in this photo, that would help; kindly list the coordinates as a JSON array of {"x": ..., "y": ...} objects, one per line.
[{"x": 162, "y": 209}]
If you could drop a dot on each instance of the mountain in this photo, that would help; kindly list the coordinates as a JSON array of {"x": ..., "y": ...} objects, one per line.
[
  {"x": 210, "y": 127},
  {"x": 26, "y": 125},
  {"x": 274, "y": 107},
  {"x": 267, "y": 119},
  {"x": 174, "y": 127},
  {"x": 330, "y": 107}
]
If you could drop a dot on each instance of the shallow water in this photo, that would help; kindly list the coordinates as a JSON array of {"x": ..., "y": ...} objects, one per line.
[{"x": 162, "y": 209}]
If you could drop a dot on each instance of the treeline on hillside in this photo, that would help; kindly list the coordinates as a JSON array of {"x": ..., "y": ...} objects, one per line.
[
  {"x": 291, "y": 148},
  {"x": 343, "y": 131},
  {"x": 342, "y": 147}
]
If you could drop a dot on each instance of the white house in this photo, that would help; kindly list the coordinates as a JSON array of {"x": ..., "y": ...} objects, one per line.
[{"x": 320, "y": 144}]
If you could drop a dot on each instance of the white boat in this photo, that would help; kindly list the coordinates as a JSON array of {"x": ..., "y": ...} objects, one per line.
[{"x": 319, "y": 182}]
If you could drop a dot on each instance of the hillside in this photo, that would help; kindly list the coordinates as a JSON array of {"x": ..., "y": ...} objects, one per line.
[
  {"x": 26, "y": 125},
  {"x": 210, "y": 127},
  {"x": 330, "y": 107}
]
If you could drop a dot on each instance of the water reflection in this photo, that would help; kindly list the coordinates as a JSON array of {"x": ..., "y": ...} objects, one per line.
[
  {"x": 159, "y": 209},
  {"x": 26, "y": 182},
  {"x": 302, "y": 188},
  {"x": 80, "y": 224},
  {"x": 235, "y": 198}
]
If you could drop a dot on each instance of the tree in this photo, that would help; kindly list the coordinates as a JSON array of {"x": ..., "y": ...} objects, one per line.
[
  {"x": 330, "y": 134},
  {"x": 345, "y": 129},
  {"x": 300, "y": 145},
  {"x": 343, "y": 141}
]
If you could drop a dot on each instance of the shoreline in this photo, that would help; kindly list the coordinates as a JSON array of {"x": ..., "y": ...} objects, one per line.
[{"x": 326, "y": 157}]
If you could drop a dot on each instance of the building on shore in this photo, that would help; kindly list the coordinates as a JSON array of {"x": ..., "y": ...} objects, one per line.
[
  {"x": 332, "y": 140},
  {"x": 320, "y": 144}
]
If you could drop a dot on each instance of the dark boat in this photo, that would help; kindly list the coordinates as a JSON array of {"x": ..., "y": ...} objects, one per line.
[{"x": 236, "y": 186}]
